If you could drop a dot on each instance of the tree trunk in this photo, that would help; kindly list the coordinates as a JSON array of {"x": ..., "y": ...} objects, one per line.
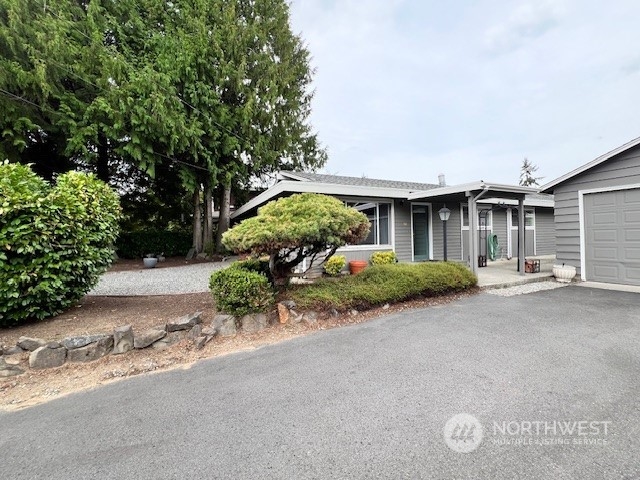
[
  {"x": 102, "y": 165},
  {"x": 197, "y": 221},
  {"x": 225, "y": 213},
  {"x": 208, "y": 213}
]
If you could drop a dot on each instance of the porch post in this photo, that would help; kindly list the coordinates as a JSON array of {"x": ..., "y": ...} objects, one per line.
[
  {"x": 521, "y": 235},
  {"x": 473, "y": 233}
]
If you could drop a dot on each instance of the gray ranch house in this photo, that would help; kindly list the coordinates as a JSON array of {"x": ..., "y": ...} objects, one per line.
[
  {"x": 597, "y": 217},
  {"x": 405, "y": 218}
]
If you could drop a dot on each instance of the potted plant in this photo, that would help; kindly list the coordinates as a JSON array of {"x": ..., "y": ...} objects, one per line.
[
  {"x": 356, "y": 266},
  {"x": 150, "y": 260}
]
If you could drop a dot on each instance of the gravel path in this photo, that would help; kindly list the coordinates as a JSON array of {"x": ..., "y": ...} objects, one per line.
[
  {"x": 526, "y": 288},
  {"x": 158, "y": 281}
]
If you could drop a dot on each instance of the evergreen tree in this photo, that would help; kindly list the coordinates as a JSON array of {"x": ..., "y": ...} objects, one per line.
[{"x": 527, "y": 174}]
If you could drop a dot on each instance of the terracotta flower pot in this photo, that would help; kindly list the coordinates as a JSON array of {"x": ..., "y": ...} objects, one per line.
[{"x": 356, "y": 266}]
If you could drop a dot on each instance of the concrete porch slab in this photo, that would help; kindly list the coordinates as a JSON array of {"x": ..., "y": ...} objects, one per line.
[{"x": 503, "y": 273}]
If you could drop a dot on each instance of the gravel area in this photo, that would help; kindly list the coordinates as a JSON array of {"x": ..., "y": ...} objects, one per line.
[
  {"x": 526, "y": 288},
  {"x": 161, "y": 281}
]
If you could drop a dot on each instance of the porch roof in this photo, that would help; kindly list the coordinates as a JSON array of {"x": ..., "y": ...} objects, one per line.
[{"x": 475, "y": 189}]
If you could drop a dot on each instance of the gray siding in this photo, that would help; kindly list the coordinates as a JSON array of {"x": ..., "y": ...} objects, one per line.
[
  {"x": 621, "y": 170},
  {"x": 403, "y": 238},
  {"x": 500, "y": 229},
  {"x": 359, "y": 254},
  {"x": 454, "y": 242},
  {"x": 545, "y": 231}
]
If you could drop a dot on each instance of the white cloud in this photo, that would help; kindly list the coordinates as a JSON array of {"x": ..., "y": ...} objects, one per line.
[
  {"x": 528, "y": 21},
  {"x": 406, "y": 89}
]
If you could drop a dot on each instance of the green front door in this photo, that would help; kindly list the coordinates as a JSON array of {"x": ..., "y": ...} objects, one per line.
[{"x": 420, "y": 223}]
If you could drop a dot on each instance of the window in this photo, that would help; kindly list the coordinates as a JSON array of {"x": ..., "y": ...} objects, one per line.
[
  {"x": 529, "y": 217},
  {"x": 482, "y": 219},
  {"x": 379, "y": 217}
]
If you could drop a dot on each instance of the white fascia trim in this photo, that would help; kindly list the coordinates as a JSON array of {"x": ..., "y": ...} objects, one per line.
[
  {"x": 527, "y": 202},
  {"x": 581, "y": 194},
  {"x": 591, "y": 164},
  {"x": 352, "y": 248},
  {"x": 466, "y": 187},
  {"x": 324, "y": 188}
]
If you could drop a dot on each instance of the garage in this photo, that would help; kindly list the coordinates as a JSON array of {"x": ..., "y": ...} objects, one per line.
[
  {"x": 612, "y": 236},
  {"x": 597, "y": 217}
]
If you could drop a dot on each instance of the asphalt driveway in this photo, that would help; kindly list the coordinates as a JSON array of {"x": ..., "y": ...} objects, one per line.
[{"x": 550, "y": 377}]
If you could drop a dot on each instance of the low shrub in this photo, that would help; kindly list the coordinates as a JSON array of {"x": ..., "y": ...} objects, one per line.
[
  {"x": 55, "y": 241},
  {"x": 238, "y": 290},
  {"x": 383, "y": 258},
  {"x": 382, "y": 284},
  {"x": 335, "y": 264},
  {"x": 140, "y": 243}
]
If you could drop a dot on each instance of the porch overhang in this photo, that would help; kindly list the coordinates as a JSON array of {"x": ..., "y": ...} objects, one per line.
[{"x": 472, "y": 193}]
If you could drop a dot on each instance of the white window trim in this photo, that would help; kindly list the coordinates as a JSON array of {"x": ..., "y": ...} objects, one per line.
[
  {"x": 429, "y": 229},
  {"x": 464, "y": 228},
  {"x": 511, "y": 227},
  {"x": 392, "y": 225},
  {"x": 581, "y": 194}
]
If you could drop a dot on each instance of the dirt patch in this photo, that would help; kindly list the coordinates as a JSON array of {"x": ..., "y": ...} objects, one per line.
[
  {"x": 101, "y": 314},
  {"x": 96, "y": 314}
]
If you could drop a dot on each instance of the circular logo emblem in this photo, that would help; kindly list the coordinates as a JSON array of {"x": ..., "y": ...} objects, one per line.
[{"x": 463, "y": 433}]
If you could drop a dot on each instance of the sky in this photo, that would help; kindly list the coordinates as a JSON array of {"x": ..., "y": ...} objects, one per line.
[{"x": 409, "y": 89}]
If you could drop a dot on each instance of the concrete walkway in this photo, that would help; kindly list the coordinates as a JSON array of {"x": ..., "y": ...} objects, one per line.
[{"x": 503, "y": 273}]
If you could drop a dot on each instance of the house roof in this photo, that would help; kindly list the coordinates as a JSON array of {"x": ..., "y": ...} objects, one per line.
[
  {"x": 356, "y": 181},
  {"x": 297, "y": 182},
  {"x": 601, "y": 159}
]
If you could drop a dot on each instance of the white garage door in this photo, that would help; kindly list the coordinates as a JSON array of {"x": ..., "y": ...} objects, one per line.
[{"x": 612, "y": 236}]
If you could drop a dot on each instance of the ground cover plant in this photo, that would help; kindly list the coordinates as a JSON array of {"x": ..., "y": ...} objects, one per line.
[{"x": 381, "y": 284}]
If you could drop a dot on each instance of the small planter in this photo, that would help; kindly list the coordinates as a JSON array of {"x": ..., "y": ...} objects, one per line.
[
  {"x": 356, "y": 266},
  {"x": 150, "y": 262},
  {"x": 564, "y": 273}
]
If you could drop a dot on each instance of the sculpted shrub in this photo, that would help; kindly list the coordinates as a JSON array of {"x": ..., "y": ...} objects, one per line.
[
  {"x": 288, "y": 230},
  {"x": 239, "y": 291},
  {"x": 55, "y": 241}
]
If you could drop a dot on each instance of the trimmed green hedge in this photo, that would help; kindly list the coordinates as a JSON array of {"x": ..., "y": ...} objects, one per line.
[
  {"x": 382, "y": 284},
  {"x": 140, "y": 243},
  {"x": 55, "y": 241},
  {"x": 242, "y": 288}
]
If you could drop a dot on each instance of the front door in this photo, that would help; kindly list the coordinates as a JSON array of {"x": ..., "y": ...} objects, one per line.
[{"x": 420, "y": 224}]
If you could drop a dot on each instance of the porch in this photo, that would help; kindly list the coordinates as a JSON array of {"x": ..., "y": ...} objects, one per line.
[{"x": 503, "y": 273}]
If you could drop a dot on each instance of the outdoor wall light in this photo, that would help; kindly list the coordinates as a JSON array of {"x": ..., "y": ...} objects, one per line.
[{"x": 444, "y": 213}]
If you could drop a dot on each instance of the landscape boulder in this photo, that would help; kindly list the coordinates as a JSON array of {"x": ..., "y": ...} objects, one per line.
[
  {"x": 122, "y": 339},
  {"x": 225, "y": 325},
  {"x": 8, "y": 369},
  {"x": 30, "y": 343},
  {"x": 91, "y": 352},
  {"x": 48, "y": 356},
  {"x": 254, "y": 322},
  {"x": 81, "y": 341},
  {"x": 146, "y": 338},
  {"x": 184, "y": 323}
]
